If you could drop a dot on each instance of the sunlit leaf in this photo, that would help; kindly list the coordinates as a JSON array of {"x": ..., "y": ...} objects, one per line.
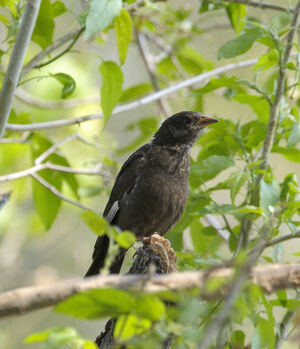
[
  {"x": 236, "y": 13},
  {"x": 123, "y": 27},
  {"x": 96, "y": 223},
  {"x": 125, "y": 239},
  {"x": 111, "y": 89},
  {"x": 128, "y": 326},
  {"x": 44, "y": 26},
  {"x": 101, "y": 13},
  {"x": 58, "y": 8}
]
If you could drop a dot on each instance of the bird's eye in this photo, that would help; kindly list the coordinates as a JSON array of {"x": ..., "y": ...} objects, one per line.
[{"x": 187, "y": 120}]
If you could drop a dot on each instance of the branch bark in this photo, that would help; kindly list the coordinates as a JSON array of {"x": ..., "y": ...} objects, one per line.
[
  {"x": 23, "y": 300},
  {"x": 16, "y": 60},
  {"x": 136, "y": 104}
]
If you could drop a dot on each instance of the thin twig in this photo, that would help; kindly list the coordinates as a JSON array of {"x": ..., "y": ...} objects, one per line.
[
  {"x": 136, "y": 104},
  {"x": 23, "y": 300},
  {"x": 50, "y": 166},
  {"x": 60, "y": 104},
  {"x": 16, "y": 60},
  {"x": 67, "y": 49},
  {"x": 282, "y": 239},
  {"x": 36, "y": 59},
  {"x": 261, "y": 4},
  {"x": 53, "y": 148},
  {"x": 58, "y": 193},
  {"x": 148, "y": 60},
  {"x": 224, "y": 234},
  {"x": 233, "y": 291},
  {"x": 282, "y": 334}
]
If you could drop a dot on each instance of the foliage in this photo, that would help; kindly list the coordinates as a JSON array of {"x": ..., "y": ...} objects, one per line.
[{"x": 228, "y": 177}]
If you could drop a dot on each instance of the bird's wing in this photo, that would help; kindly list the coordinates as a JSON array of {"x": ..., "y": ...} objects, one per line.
[{"x": 125, "y": 182}]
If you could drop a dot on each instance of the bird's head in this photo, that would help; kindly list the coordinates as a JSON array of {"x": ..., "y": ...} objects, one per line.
[{"x": 182, "y": 128}]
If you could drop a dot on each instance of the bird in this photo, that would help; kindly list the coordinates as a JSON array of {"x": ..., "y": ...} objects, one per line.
[{"x": 151, "y": 189}]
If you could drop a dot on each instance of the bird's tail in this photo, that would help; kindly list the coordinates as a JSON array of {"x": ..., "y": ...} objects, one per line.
[{"x": 100, "y": 254}]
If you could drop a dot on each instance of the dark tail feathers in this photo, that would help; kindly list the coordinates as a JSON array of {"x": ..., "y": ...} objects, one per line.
[{"x": 100, "y": 254}]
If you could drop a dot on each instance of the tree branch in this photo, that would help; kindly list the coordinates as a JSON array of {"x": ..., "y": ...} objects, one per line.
[
  {"x": 50, "y": 166},
  {"x": 282, "y": 239},
  {"x": 148, "y": 60},
  {"x": 136, "y": 104},
  {"x": 243, "y": 241},
  {"x": 33, "y": 63},
  {"x": 23, "y": 300},
  {"x": 261, "y": 4},
  {"x": 16, "y": 60},
  {"x": 57, "y": 193},
  {"x": 58, "y": 104}
]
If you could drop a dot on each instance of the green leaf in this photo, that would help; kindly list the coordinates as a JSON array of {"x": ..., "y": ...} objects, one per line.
[
  {"x": 208, "y": 169},
  {"x": 268, "y": 60},
  {"x": 192, "y": 61},
  {"x": 111, "y": 90},
  {"x": 280, "y": 21},
  {"x": 48, "y": 204},
  {"x": 68, "y": 83},
  {"x": 231, "y": 209},
  {"x": 58, "y": 8},
  {"x": 44, "y": 26},
  {"x": 38, "y": 337},
  {"x": 236, "y": 14},
  {"x": 237, "y": 180},
  {"x": 95, "y": 304},
  {"x": 56, "y": 337},
  {"x": 216, "y": 83},
  {"x": 150, "y": 307},
  {"x": 294, "y": 136},
  {"x": 123, "y": 27},
  {"x": 125, "y": 239},
  {"x": 238, "y": 337},
  {"x": 291, "y": 154},
  {"x": 269, "y": 196},
  {"x": 96, "y": 223},
  {"x": 259, "y": 105},
  {"x": 128, "y": 326},
  {"x": 135, "y": 92},
  {"x": 239, "y": 45},
  {"x": 101, "y": 13}
]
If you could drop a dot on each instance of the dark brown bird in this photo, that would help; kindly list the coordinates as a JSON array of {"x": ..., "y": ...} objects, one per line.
[{"x": 151, "y": 189}]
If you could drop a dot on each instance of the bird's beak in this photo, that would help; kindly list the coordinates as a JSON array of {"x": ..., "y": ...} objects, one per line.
[{"x": 206, "y": 121}]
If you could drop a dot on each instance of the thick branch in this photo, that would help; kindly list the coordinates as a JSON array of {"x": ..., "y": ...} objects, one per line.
[
  {"x": 274, "y": 110},
  {"x": 19, "y": 301},
  {"x": 16, "y": 60},
  {"x": 136, "y": 104}
]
